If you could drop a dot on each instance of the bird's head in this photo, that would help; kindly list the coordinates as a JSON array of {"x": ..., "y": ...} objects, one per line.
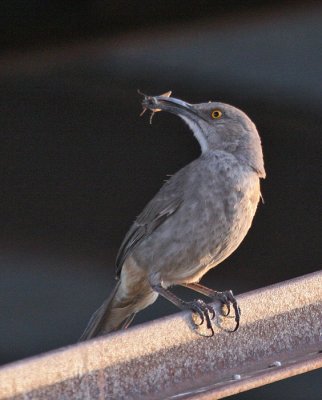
[{"x": 216, "y": 126}]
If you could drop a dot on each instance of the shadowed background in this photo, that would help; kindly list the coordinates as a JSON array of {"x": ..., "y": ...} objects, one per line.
[{"x": 78, "y": 164}]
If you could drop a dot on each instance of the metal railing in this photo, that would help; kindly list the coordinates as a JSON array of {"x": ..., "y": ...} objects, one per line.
[{"x": 280, "y": 336}]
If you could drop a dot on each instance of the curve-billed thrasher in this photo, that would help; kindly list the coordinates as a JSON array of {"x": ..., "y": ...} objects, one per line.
[{"x": 196, "y": 220}]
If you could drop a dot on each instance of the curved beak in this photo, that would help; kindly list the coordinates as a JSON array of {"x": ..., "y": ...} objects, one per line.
[
  {"x": 164, "y": 103},
  {"x": 170, "y": 104}
]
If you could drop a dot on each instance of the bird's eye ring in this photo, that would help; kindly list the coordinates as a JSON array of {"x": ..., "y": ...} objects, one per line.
[{"x": 216, "y": 114}]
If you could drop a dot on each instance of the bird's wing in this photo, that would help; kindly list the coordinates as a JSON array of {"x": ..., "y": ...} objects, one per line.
[{"x": 159, "y": 209}]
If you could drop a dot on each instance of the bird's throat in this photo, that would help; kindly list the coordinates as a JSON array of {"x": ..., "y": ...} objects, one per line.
[{"x": 198, "y": 133}]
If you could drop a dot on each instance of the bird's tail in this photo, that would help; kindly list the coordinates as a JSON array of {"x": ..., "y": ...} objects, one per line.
[{"x": 119, "y": 309}]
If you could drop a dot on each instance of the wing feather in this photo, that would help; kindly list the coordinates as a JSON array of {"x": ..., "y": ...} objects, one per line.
[{"x": 157, "y": 211}]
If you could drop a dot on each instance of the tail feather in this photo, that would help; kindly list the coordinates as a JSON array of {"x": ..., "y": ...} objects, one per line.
[
  {"x": 94, "y": 325},
  {"x": 119, "y": 309},
  {"x": 131, "y": 294}
]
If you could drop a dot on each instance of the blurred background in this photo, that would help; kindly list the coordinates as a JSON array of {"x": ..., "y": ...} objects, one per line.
[{"x": 78, "y": 164}]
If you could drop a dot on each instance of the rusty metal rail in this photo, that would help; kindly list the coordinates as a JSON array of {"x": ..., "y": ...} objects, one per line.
[{"x": 280, "y": 336}]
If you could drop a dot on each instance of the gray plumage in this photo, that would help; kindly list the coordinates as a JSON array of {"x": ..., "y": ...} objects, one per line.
[{"x": 196, "y": 220}]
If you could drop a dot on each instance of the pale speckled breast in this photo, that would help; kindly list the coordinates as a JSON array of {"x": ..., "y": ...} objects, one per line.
[{"x": 220, "y": 198}]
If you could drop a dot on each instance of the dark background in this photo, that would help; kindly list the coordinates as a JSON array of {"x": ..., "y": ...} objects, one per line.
[{"x": 78, "y": 164}]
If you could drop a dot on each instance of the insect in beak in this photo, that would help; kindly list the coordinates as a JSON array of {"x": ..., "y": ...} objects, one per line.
[{"x": 167, "y": 94}]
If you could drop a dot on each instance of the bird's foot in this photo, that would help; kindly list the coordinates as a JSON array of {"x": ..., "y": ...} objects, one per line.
[
  {"x": 204, "y": 311},
  {"x": 228, "y": 299}
]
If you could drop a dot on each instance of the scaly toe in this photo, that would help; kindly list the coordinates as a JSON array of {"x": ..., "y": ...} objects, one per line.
[{"x": 203, "y": 310}]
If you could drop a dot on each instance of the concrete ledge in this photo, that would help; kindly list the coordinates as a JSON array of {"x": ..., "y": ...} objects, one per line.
[{"x": 280, "y": 336}]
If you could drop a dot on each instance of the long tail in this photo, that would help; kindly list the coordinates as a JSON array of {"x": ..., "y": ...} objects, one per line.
[{"x": 119, "y": 309}]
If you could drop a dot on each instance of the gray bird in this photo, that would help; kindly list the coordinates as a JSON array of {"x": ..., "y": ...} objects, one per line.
[{"x": 195, "y": 221}]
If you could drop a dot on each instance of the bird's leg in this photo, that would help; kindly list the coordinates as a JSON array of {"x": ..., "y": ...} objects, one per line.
[
  {"x": 197, "y": 306},
  {"x": 226, "y": 298}
]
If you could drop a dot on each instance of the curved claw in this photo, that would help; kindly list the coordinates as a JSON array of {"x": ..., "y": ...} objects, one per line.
[
  {"x": 196, "y": 306},
  {"x": 209, "y": 326},
  {"x": 237, "y": 315},
  {"x": 201, "y": 315},
  {"x": 203, "y": 310},
  {"x": 226, "y": 302},
  {"x": 233, "y": 301},
  {"x": 211, "y": 310}
]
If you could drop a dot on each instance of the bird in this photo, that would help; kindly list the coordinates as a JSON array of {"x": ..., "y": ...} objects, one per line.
[{"x": 194, "y": 222}]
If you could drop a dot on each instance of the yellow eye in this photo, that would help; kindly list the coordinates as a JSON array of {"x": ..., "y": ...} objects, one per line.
[{"x": 215, "y": 114}]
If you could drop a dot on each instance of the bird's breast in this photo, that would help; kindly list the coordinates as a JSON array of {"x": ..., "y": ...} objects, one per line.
[{"x": 219, "y": 203}]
